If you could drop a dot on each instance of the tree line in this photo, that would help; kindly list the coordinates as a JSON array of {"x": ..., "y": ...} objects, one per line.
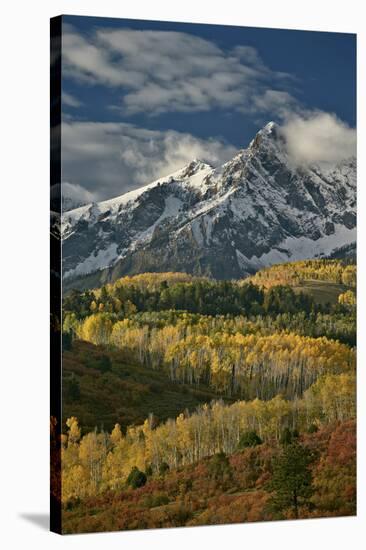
[
  {"x": 203, "y": 296},
  {"x": 295, "y": 273},
  {"x": 336, "y": 326}
]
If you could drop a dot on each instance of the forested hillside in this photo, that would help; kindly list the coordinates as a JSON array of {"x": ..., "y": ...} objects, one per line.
[
  {"x": 201, "y": 390},
  {"x": 247, "y": 485},
  {"x": 101, "y": 388}
]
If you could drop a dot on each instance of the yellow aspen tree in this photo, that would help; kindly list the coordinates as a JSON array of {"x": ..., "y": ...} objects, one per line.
[{"x": 116, "y": 434}]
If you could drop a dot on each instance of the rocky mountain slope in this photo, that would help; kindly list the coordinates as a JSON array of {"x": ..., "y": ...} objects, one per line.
[{"x": 226, "y": 222}]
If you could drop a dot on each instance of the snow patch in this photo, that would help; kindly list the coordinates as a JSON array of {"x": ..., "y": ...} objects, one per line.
[
  {"x": 172, "y": 208},
  {"x": 102, "y": 259},
  {"x": 197, "y": 232},
  {"x": 109, "y": 256},
  {"x": 301, "y": 248}
]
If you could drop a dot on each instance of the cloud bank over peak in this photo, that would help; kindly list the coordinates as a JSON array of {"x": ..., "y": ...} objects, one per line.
[
  {"x": 106, "y": 159},
  {"x": 134, "y": 75},
  {"x": 318, "y": 138},
  {"x": 111, "y": 158}
]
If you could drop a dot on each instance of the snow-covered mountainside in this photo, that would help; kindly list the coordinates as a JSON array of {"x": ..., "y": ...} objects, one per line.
[{"x": 255, "y": 210}]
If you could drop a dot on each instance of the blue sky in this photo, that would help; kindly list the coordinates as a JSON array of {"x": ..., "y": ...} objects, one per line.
[{"x": 141, "y": 97}]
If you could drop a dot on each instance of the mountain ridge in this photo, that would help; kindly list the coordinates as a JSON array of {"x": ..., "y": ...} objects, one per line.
[{"x": 226, "y": 222}]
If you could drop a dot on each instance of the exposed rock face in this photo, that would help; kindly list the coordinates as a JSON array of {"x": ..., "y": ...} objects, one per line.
[{"x": 255, "y": 210}]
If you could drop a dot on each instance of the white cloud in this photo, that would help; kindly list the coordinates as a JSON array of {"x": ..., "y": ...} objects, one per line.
[
  {"x": 162, "y": 71},
  {"x": 248, "y": 54},
  {"x": 276, "y": 101},
  {"x": 111, "y": 158},
  {"x": 70, "y": 100},
  {"x": 76, "y": 193},
  {"x": 318, "y": 138}
]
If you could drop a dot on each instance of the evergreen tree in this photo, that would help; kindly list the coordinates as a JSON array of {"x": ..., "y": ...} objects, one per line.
[
  {"x": 288, "y": 436},
  {"x": 72, "y": 389},
  {"x": 249, "y": 439},
  {"x": 291, "y": 480},
  {"x": 219, "y": 468},
  {"x": 136, "y": 478}
]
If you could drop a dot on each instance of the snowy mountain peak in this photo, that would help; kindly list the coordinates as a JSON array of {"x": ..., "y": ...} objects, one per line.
[
  {"x": 196, "y": 165},
  {"x": 269, "y": 136},
  {"x": 270, "y": 128},
  {"x": 254, "y": 210},
  {"x": 271, "y": 133}
]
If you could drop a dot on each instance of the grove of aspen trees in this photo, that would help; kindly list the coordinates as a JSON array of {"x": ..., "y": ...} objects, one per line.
[{"x": 279, "y": 365}]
